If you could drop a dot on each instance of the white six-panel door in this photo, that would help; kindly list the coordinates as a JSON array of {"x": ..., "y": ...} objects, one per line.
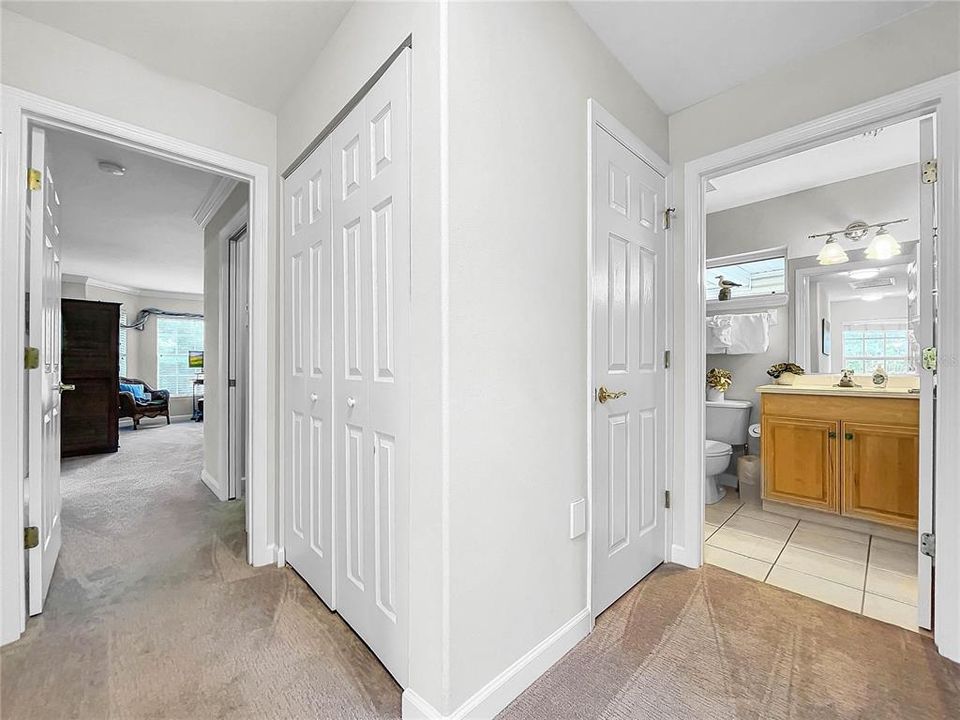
[
  {"x": 44, "y": 501},
  {"x": 346, "y": 400},
  {"x": 307, "y": 452},
  {"x": 371, "y": 260},
  {"x": 629, "y": 335}
]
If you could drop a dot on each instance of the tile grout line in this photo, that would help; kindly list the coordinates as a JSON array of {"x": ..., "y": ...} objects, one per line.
[
  {"x": 774, "y": 563},
  {"x": 866, "y": 570}
]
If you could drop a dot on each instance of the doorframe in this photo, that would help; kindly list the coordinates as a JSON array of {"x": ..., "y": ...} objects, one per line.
[
  {"x": 232, "y": 226},
  {"x": 942, "y": 97},
  {"x": 20, "y": 109},
  {"x": 599, "y": 117}
]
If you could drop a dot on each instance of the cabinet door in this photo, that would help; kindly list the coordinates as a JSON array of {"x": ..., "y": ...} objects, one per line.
[
  {"x": 800, "y": 462},
  {"x": 880, "y": 473}
]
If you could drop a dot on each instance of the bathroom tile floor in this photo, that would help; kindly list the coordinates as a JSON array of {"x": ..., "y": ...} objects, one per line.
[{"x": 861, "y": 573}]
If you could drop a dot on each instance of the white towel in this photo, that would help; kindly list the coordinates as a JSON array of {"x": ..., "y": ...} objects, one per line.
[
  {"x": 749, "y": 334},
  {"x": 719, "y": 329}
]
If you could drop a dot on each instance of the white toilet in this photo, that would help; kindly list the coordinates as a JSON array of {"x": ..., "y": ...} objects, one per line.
[{"x": 727, "y": 423}]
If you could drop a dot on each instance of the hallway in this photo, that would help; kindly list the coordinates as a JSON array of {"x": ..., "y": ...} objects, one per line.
[{"x": 154, "y": 612}]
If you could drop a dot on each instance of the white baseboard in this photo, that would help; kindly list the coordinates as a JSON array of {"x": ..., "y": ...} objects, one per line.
[
  {"x": 682, "y": 556},
  {"x": 210, "y": 481},
  {"x": 507, "y": 686}
]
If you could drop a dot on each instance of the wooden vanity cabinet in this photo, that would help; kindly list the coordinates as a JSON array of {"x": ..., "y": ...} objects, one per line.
[
  {"x": 801, "y": 461},
  {"x": 881, "y": 473},
  {"x": 854, "y": 456}
]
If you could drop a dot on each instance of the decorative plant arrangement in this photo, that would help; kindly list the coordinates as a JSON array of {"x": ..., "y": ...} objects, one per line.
[
  {"x": 718, "y": 382},
  {"x": 785, "y": 373}
]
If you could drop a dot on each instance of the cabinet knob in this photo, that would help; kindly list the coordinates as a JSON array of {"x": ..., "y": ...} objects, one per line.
[
  {"x": 848, "y": 436},
  {"x": 832, "y": 434}
]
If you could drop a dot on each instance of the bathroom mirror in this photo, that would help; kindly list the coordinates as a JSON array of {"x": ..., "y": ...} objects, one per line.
[{"x": 858, "y": 315}]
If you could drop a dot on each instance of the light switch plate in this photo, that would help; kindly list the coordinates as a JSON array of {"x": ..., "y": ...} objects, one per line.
[{"x": 578, "y": 518}]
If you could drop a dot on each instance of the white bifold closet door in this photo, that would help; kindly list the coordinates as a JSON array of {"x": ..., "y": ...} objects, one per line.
[
  {"x": 354, "y": 360},
  {"x": 307, "y": 451}
]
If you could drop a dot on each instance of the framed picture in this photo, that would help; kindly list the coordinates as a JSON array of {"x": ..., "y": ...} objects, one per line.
[{"x": 825, "y": 336}]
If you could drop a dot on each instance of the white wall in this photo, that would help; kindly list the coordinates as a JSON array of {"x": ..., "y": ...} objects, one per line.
[
  {"x": 367, "y": 36},
  {"x": 212, "y": 260},
  {"x": 922, "y": 46},
  {"x": 520, "y": 78}
]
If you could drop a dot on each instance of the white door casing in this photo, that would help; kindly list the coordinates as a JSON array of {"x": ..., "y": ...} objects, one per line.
[
  {"x": 926, "y": 337},
  {"x": 43, "y": 500},
  {"x": 371, "y": 269},
  {"x": 308, "y": 460},
  {"x": 628, "y": 342},
  {"x": 238, "y": 252}
]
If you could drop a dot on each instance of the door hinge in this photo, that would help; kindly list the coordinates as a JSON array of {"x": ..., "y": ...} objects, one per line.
[
  {"x": 34, "y": 179},
  {"x": 668, "y": 217},
  {"x": 31, "y": 358},
  {"x": 31, "y": 537},
  {"x": 928, "y": 359},
  {"x": 928, "y": 172},
  {"x": 232, "y": 382},
  {"x": 928, "y": 544},
  {"x": 666, "y": 359},
  {"x": 666, "y": 498}
]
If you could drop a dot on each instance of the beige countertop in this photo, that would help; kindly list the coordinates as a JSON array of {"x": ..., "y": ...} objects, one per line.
[{"x": 864, "y": 391}]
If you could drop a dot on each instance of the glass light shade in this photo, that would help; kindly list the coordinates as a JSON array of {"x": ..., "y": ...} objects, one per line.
[
  {"x": 883, "y": 246},
  {"x": 831, "y": 253}
]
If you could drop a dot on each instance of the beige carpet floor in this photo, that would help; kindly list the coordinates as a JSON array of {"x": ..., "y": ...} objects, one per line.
[
  {"x": 154, "y": 613},
  {"x": 708, "y": 644}
]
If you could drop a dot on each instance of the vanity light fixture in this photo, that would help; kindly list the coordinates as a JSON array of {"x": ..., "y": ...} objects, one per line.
[
  {"x": 865, "y": 274},
  {"x": 832, "y": 253},
  {"x": 883, "y": 246}
]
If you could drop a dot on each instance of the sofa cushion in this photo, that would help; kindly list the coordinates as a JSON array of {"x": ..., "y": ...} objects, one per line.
[{"x": 136, "y": 390}]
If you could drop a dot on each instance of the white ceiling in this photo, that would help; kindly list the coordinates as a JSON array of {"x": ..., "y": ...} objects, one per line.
[
  {"x": 838, "y": 284},
  {"x": 684, "y": 52},
  {"x": 252, "y": 51},
  {"x": 892, "y": 147},
  {"x": 136, "y": 230}
]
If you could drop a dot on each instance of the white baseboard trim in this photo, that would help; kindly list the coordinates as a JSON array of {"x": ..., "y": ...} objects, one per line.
[
  {"x": 507, "y": 686},
  {"x": 681, "y": 556},
  {"x": 210, "y": 481}
]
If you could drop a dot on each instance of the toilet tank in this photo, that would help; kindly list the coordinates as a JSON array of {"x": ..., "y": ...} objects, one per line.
[{"x": 728, "y": 420}]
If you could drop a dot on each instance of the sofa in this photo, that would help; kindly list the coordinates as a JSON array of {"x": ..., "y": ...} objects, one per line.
[{"x": 152, "y": 404}]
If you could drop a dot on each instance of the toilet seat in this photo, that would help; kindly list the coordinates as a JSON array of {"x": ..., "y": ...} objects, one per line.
[{"x": 715, "y": 448}]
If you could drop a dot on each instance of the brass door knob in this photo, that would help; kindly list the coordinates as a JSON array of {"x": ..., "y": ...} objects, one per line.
[{"x": 603, "y": 394}]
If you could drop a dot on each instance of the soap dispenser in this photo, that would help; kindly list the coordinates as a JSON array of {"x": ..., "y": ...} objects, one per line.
[{"x": 879, "y": 377}]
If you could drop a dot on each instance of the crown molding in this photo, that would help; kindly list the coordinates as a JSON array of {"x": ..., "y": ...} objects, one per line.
[
  {"x": 127, "y": 289},
  {"x": 214, "y": 199}
]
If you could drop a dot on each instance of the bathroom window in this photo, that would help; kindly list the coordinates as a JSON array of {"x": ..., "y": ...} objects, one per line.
[
  {"x": 867, "y": 345},
  {"x": 757, "y": 273}
]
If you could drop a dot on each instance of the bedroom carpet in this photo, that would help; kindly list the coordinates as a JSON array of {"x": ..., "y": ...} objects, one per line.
[
  {"x": 153, "y": 611},
  {"x": 692, "y": 644}
]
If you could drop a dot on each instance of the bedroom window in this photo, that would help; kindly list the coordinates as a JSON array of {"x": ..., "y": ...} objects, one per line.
[{"x": 176, "y": 337}]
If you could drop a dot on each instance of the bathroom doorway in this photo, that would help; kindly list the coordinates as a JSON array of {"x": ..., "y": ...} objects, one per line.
[{"x": 819, "y": 416}]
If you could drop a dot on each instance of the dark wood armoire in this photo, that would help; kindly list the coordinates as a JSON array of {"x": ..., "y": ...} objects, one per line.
[{"x": 90, "y": 361}]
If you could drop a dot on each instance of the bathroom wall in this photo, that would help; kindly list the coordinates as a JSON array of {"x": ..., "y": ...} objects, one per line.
[{"x": 787, "y": 221}]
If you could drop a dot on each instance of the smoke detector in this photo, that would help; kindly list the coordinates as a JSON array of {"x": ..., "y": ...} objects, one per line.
[{"x": 111, "y": 168}]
